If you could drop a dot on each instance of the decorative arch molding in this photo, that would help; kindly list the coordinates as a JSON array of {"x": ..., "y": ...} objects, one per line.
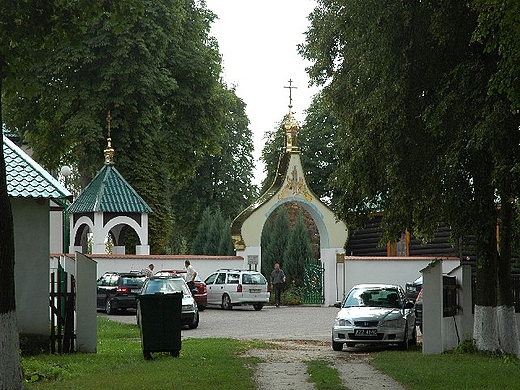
[
  {"x": 101, "y": 227},
  {"x": 313, "y": 211}
]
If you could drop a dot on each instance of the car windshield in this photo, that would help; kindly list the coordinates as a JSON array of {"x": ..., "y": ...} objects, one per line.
[
  {"x": 253, "y": 279},
  {"x": 373, "y": 297},
  {"x": 165, "y": 286},
  {"x": 132, "y": 280}
]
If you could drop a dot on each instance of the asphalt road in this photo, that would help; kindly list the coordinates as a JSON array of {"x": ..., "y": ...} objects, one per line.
[{"x": 270, "y": 323}]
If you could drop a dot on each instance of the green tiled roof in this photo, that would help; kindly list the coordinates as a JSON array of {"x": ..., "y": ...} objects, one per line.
[
  {"x": 26, "y": 178},
  {"x": 109, "y": 192}
]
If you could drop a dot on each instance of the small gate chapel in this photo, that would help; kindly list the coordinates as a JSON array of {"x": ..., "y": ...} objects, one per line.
[
  {"x": 108, "y": 206},
  {"x": 289, "y": 185}
]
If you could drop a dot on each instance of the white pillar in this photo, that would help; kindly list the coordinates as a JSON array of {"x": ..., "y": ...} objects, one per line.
[
  {"x": 432, "y": 314},
  {"x": 142, "y": 249}
]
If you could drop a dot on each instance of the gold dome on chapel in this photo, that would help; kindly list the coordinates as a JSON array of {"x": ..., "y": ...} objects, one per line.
[{"x": 291, "y": 128}]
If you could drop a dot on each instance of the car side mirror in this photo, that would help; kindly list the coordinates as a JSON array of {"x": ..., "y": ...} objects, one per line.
[
  {"x": 409, "y": 305},
  {"x": 337, "y": 304}
]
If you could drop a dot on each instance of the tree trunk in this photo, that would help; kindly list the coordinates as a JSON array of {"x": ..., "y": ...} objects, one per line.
[
  {"x": 506, "y": 317},
  {"x": 10, "y": 371},
  {"x": 485, "y": 327}
]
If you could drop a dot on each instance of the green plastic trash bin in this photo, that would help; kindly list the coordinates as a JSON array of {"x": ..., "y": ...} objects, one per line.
[{"x": 159, "y": 317}]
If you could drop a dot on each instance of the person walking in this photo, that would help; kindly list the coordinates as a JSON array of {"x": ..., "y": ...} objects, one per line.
[
  {"x": 277, "y": 281},
  {"x": 190, "y": 275}
]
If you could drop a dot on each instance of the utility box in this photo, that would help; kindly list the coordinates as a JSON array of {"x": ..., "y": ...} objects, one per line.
[{"x": 159, "y": 318}]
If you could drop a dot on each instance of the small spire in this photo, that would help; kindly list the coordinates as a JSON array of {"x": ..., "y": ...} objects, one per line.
[
  {"x": 109, "y": 151},
  {"x": 290, "y": 87},
  {"x": 290, "y": 125}
]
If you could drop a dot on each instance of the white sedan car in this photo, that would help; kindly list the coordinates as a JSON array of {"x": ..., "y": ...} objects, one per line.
[{"x": 374, "y": 314}]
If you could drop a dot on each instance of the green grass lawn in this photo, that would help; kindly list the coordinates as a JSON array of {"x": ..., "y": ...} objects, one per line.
[{"x": 217, "y": 364}]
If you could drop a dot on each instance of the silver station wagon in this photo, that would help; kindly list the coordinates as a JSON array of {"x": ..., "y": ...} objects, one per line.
[
  {"x": 374, "y": 314},
  {"x": 235, "y": 287}
]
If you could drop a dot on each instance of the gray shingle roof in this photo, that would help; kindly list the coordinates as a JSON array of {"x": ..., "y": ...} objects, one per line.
[
  {"x": 26, "y": 178},
  {"x": 109, "y": 192}
]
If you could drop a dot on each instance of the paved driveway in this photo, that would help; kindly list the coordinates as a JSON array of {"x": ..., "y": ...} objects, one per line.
[{"x": 270, "y": 323}]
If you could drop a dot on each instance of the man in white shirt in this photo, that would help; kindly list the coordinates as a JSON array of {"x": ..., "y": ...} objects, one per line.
[{"x": 190, "y": 275}]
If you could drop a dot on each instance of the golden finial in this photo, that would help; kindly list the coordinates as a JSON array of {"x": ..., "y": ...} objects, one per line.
[
  {"x": 109, "y": 151},
  {"x": 290, "y": 125}
]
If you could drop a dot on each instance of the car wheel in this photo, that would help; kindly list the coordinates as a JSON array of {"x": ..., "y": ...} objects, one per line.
[
  {"x": 403, "y": 345},
  {"x": 195, "y": 322},
  {"x": 226, "y": 302},
  {"x": 258, "y": 306},
  {"x": 337, "y": 346},
  {"x": 202, "y": 307},
  {"x": 109, "y": 309}
]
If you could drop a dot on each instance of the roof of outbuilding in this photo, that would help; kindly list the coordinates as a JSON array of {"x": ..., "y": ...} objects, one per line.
[
  {"x": 109, "y": 192},
  {"x": 26, "y": 178}
]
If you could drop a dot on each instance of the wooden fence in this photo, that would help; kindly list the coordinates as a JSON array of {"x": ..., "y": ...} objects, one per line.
[{"x": 62, "y": 304}]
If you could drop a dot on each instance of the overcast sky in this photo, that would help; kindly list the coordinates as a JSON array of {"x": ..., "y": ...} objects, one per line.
[{"x": 257, "y": 41}]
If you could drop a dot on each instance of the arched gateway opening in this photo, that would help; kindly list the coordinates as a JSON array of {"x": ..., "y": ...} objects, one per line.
[{"x": 290, "y": 185}]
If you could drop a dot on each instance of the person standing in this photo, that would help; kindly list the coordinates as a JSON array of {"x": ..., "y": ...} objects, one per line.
[
  {"x": 148, "y": 271},
  {"x": 190, "y": 275},
  {"x": 277, "y": 281}
]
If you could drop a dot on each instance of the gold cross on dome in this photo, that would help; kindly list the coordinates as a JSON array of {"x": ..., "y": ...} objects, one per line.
[{"x": 290, "y": 87}]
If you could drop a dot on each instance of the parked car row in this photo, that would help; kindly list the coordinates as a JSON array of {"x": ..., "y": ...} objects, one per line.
[
  {"x": 370, "y": 313},
  {"x": 225, "y": 288}
]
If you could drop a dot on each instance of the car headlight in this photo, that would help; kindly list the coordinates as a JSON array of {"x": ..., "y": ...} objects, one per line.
[
  {"x": 397, "y": 323},
  {"x": 342, "y": 322}
]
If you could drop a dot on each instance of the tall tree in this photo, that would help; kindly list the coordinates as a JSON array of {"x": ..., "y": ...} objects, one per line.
[
  {"x": 319, "y": 149},
  {"x": 26, "y": 27},
  {"x": 421, "y": 138},
  {"x": 203, "y": 230},
  {"x": 159, "y": 77},
  {"x": 275, "y": 236},
  {"x": 213, "y": 234},
  {"x": 298, "y": 252},
  {"x": 498, "y": 30},
  {"x": 223, "y": 178}
]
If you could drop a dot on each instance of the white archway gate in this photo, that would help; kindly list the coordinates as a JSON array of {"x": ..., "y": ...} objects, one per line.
[{"x": 290, "y": 186}]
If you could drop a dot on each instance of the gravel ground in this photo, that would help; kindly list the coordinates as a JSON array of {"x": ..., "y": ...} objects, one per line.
[
  {"x": 298, "y": 334},
  {"x": 285, "y": 368}
]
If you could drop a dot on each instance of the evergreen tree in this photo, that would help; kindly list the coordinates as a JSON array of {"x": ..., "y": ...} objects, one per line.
[
  {"x": 213, "y": 235},
  {"x": 297, "y": 253},
  {"x": 225, "y": 246},
  {"x": 276, "y": 241},
  {"x": 203, "y": 229},
  {"x": 267, "y": 236}
]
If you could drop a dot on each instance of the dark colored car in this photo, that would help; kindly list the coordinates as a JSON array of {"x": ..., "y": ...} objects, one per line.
[
  {"x": 418, "y": 310},
  {"x": 174, "y": 284},
  {"x": 117, "y": 291},
  {"x": 201, "y": 292},
  {"x": 412, "y": 289}
]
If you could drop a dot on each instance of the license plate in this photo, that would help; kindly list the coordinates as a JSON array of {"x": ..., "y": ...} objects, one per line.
[
  {"x": 255, "y": 290},
  {"x": 134, "y": 290},
  {"x": 365, "y": 332}
]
